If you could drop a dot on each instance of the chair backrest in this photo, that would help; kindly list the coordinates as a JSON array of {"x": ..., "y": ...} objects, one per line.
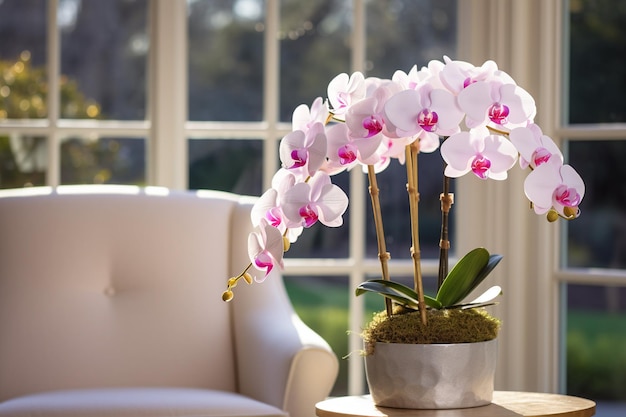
[{"x": 115, "y": 286}]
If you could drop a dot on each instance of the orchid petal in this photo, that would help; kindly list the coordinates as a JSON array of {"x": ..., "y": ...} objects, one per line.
[
  {"x": 474, "y": 100},
  {"x": 291, "y": 147},
  {"x": 265, "y": 249},
  {"x": 263, "y": 205},
  {"x": 294, "y": 199},
  {"x": 502, "y": 154},
  {"x": 520, "y": 103},
  {"x": 540, "y": 184},
  {"x": 399, "y": 110},
  {"x": 343, "y": 90},
  {"x": 317, "y": 148},
  {"x": 457, "y": 151},
  {"x": 450, "y": 115},
  {"x": 333, "y": 203},
  {"x": 429, "y": 142},
  {"x": 317, "y": 183},
  {"x": 303, "y": 118}
]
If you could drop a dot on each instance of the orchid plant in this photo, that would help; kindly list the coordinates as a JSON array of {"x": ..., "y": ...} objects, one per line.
[{"x": 478, "y": 118}]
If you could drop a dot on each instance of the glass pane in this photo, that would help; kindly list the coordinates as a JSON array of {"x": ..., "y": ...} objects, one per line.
[
  {"x": 422, "y": 30},
  {"x": 104, "y": 50},
  {"x": 596, "y": 336},
  {"x": 23, "y": 83},
  {"x": 103, "y": 161},
  {"x": 226, "y": 165},
  {"x": 23, "y": 160},
  {"x": 226, "y": 59},
  {"x": 315, "y": 42},
  {"x": 322, "y": 303},
  {"x": 596, "y": 61},
  {"x": 598, "y": 237},
  {"x": 395, "y": 209}
]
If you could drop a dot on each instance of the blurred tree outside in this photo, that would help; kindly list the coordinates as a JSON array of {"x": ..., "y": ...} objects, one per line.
[{"x": 23, "y": 158}]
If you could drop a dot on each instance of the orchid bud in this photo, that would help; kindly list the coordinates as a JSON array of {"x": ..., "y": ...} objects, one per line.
[
  {"x": 286, "y": 244},
  {"x": 570, "y": 212},
  {"x": 227, "y": 295},
  {"x": 552, "y": 216},
  {"x": 232, "y": 282},
  {"x": 247, "y": 277}
]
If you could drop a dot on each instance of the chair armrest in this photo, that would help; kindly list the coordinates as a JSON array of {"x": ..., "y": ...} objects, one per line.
[
  {"x": 312, "y": 375},
  {"x": 279, "y": 359}
]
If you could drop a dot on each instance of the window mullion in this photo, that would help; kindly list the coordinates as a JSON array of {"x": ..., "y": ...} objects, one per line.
[
  {"x": 271, "y": 91},
  {"x": 358, "y": 199},
  {"x": 53, "y": 63},
  {"x": 167, "y": 94}
]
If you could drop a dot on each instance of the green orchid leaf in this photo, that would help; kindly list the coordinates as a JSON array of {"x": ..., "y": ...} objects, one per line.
[
  {"x": 464, "y": 277},
  {"x": 483, "y": 300},
  {"x": 488, "y": 295},
  {"x": 494, "y": 260},
  {"x": 471, "y": 305},
  {"x": 385, "y": 291},
  {"x": 396, "y": 292}
]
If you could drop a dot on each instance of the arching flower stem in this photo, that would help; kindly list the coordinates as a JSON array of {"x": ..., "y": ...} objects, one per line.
[{"x": 232, "y": 282}]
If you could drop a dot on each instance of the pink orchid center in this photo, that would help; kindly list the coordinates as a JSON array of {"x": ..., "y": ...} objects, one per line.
[
  {"x": 264, "y": 261},
  {"x": 273, "y": 217},
  {"x": 467, "y": 82},
  {"x": 540, "y": 156},
  {"x": 373, "y": 125},
  {"x": 309, "y": 216},
  {"x": 347, "y": 154},
  {"x": 567, "y": 196},
  {"x": 498, "y": 113},
  {"x": 427, "y": 120},
  {"x": 480, "y": 166},
  {"x": 299, "y": 157},
  {"x": 343, "y": 98}
]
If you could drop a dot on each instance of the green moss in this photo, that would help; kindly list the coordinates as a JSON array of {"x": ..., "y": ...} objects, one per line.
[{"x": 443, "y": 326}]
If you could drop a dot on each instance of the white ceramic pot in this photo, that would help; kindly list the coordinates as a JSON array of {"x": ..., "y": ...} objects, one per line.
[{"x": 437, "y": 376}]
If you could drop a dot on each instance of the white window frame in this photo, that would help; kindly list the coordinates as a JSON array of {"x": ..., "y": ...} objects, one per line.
[{"x": 524, "y": 37}]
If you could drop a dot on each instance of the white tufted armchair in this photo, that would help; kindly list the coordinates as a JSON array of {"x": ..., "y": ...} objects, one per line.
[{"x": 110, "y": 306}]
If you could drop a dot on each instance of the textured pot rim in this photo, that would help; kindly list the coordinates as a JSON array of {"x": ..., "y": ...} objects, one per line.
[
  {"x": 434, "y": 344},
  {"x": 426, "y": 345}
]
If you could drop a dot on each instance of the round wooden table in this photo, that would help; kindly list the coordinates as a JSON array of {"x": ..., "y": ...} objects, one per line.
[{"x": 505, "y": 404}]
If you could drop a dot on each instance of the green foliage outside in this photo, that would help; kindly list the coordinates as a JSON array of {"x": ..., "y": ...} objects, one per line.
[
  {"x": 322, "y": 305},
  {"x": 596, "y": 355}
]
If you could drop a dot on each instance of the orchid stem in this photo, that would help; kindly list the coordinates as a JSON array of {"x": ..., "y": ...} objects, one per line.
[
  {"x": 383, "y": 255},
  {"x": 412, "y": 152},
  {"x": 447, "y": 199},
  {"x": 444, "y": 242},
  {"x": 497, "y": 131}
]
